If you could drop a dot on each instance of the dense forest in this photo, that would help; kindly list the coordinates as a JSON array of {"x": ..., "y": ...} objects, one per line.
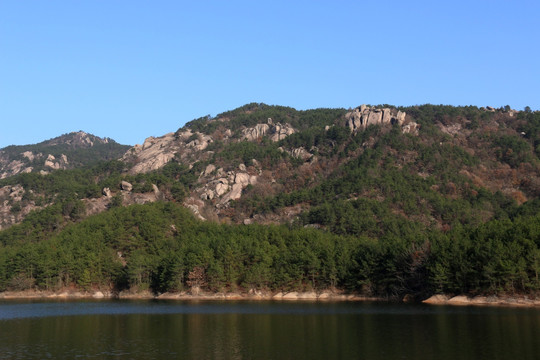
[
  {"x": 162, "y": 247},
  {"x": 453, "y": 208}
]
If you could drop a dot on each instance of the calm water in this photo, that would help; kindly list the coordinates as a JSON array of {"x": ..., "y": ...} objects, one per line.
[{"x": 263, "y": 330}]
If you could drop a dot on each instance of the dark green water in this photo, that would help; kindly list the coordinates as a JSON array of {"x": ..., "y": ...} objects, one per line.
[{"x": 263, "y": 330}]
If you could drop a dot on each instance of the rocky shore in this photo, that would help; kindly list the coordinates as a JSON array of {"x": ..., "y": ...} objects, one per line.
[
  {"x": 252, "y": 295},
  {"x": 493, "y": 300},
  {"x": 439, "y": 299}
]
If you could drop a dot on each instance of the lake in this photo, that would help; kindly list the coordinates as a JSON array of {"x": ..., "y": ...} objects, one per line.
[{"x": 151, "y": 329}]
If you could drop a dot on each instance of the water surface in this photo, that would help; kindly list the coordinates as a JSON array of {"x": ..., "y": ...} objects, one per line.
[{"x": 124, "y": 329}]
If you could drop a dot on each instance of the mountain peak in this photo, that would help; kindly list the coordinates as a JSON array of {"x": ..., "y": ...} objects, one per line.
[
  {"x": 63, "y": 152},
  {"x": 79, "y": 139}
]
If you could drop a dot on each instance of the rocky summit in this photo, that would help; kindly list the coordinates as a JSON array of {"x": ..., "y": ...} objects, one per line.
[{"x": 63, "y": 152}]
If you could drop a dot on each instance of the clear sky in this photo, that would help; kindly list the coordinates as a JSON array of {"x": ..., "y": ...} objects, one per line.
[{"x": 132, "y": 69}]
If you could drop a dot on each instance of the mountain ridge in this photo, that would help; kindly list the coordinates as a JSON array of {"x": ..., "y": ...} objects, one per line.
[
  {"x": 56, "y": 153},
  {"x": 381, "y": 200}
]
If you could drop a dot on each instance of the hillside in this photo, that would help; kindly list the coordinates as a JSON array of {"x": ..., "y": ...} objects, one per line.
[
  {"x": 418, "y": 199},
  {"x": 67, "y": 151}
]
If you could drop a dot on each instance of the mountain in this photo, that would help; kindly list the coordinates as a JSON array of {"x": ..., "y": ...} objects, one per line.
[
  {"x": 67, "y": 151},
  {"x": 381, "y": 200},
  {"x": 434, "y": 165}
]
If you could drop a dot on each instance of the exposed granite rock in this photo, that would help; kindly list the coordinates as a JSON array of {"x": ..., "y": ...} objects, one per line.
[
  {"x": 194, "y": 207},
  {"x": 156, "y": 152},
  {"x": 13, "y": 194},
  {"x": 153, "y": 154},
  {"x": 301, "y": 153},
  {"x": 124, "y": 185},
  {"x": 275, "y": 131},
  {"x": 410, "y": 128},
  {"x": 255, "y": 132},
  {"x": 234, "y": 194},
  {"x": 200, "y": 143},
  {"x": 239, "y": 182},
  {"x": 209, "y": 169},
  {"x": 280, "y": 132},
  {"x": 363, "y": 116},
  {"x": 222, "y": 186},
  {"x": 56, "y": 164},
  {"x": 29, "y": 155},
  {"x": 13, "y": 168},
  {"x": 242, "y": 179},
  {"x": 107, "y": 192}
]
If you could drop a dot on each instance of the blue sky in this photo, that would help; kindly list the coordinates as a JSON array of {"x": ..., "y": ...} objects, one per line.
[{"x": 133, "y": 69}]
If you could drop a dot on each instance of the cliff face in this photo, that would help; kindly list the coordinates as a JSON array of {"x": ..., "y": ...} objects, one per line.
[{"x": 363, "y": 116}]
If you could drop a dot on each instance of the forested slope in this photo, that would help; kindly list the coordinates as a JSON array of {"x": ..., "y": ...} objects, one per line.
[{"x": 436, "y": 199}]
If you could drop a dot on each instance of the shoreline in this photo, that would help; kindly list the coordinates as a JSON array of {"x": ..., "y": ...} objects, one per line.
[
  {"x": 480, "y": 300},
  {"x": 438, "y": 299},
  {"x": 185, "y": 295}
]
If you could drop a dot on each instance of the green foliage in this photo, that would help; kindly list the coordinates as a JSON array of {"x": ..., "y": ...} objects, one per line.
[
  {"x": 257, "y": 113},
  {"x": 397, "y": 214},
  {"x": 512, "y": 150},
  {"x": 77, "y": 154},
  {"x": 161, "y": 247},
  {"x": 244, "y": 151}
]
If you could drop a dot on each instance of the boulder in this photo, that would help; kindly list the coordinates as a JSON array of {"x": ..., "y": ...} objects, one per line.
[
  {"x": 29, "y": 155},
  {"x": 124, "y": 185},
  {"x": 209, "y": 169},
  {"x": 300, "y": 153},
  {"x": 280, "y": 132},
  {"x": 438, "y": 299},
  {"x": 106, "y": 192},
  {"x": 195, "y": 209},
  {"x": 410, "y": 128},
  {"x": 50, "y": 162},
  {"x": 242, "y": 179},
  {"x": 222, "y": 188},
  {"x": 459, "y": 300},
  {"x": 234, "y": 194},
  {"x": 207, "y": 195}
]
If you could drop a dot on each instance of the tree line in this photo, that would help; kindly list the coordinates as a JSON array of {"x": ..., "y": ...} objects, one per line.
[{"x": 161, "y": 247}]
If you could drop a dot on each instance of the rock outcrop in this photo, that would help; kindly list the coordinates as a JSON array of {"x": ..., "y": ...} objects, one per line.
[
  {"x": 56, "y": 164},
  {"x": 280, "y": 132},
  {"x": 300, "y": 153},
  {"x": 125, "y": 186},
  {"x": 364, "y": 116},
  {"x": 153, "y": 154},
  {"x": 12, "y": 208},
  {"x": 156, "y": 152},
  {"x": 43, "y": 157},
  {"x": 256, "y": 132},
  {"x": 275, "y": 131}
]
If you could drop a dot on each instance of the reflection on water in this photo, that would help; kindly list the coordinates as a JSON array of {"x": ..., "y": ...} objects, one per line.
[{"x": 265, "y": 330}]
